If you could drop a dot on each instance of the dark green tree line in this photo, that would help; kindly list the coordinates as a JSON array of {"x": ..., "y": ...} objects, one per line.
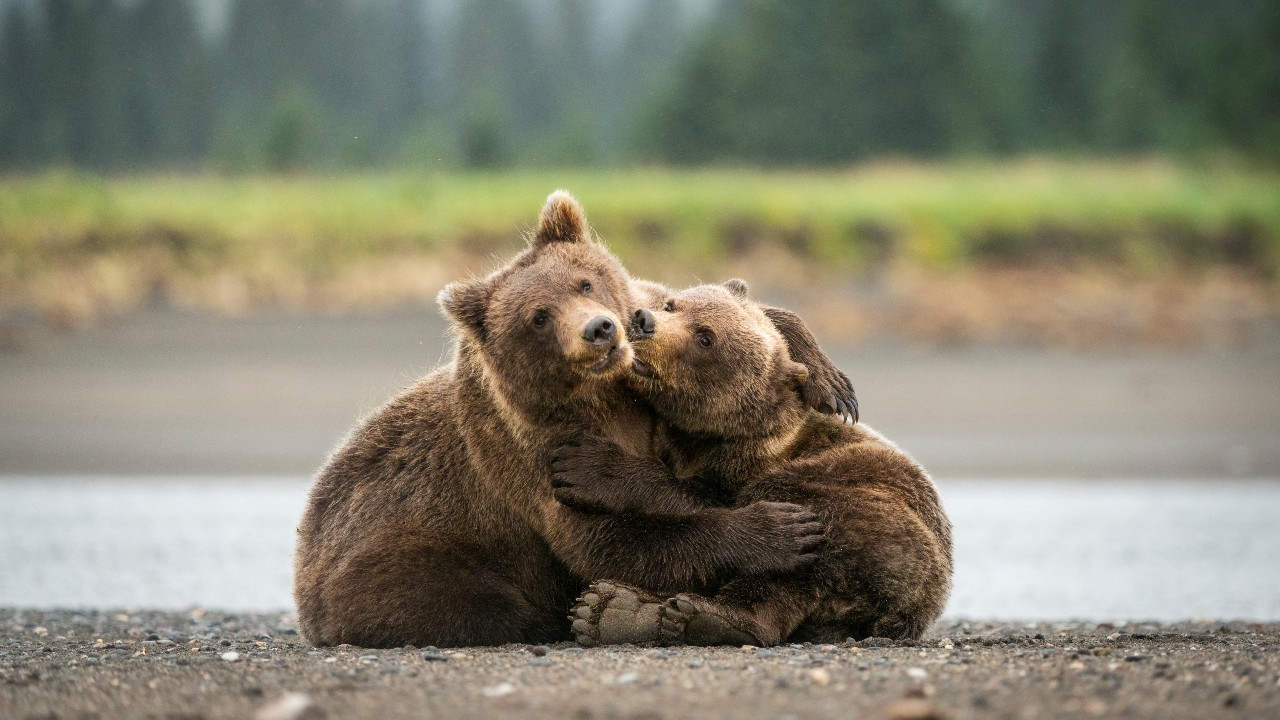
[{"x": 297, "y": 84}]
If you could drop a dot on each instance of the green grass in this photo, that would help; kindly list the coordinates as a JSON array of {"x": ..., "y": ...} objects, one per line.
[{"x": 124, "y": 237}]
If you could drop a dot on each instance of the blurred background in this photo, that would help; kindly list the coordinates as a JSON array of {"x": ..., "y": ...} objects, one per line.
[{"x": 1042, "y": 237}]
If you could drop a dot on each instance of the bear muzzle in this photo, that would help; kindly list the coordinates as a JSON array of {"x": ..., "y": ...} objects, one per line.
[
  {"x": 643, "y": 325},
  {"x": 600, "y": 330}
]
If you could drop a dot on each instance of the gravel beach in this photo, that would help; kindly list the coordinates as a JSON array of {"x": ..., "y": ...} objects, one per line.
[{"x": 206, "y": 664}]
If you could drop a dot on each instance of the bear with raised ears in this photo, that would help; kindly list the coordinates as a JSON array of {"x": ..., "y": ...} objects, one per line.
[
  {"x": 719, "y": 375},
  {"x": 435, "y": 522}
]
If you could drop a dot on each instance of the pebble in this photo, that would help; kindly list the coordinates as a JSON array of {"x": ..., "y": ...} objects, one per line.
[
  {"x": 434, "y": 657},
  {"x": 626, "y": 678},
  {"x": 820, "y": 677},
  {"x": 231, "y": 656},
  {"x": 914, "y": 709},
  {"x": 540, "y": 661},
  {"x": 540, "y": 650},
  {"x": 369, "y": 658},
  {"x": 764, "y": 653},
  {"x": 695, "y": 663},
  {"x": 290, "y": 706},
  {"x": 224, "y": 643},
  {"x": 499, "y": 690},
  {"x": 916, "y": 673}
]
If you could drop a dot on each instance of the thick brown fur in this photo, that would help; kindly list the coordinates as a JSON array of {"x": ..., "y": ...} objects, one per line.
[
  {"x": 435, "y": 521},
  {"x": 734, "y": 429}
]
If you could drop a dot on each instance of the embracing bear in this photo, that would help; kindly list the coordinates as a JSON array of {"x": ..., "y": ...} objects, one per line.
[{"x": 439, "y": 521}]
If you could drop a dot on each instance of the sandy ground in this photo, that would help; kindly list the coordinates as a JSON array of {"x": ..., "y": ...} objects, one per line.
[
  {"x": 163, "y": 392},
  {"x": 209, "y": 665}
]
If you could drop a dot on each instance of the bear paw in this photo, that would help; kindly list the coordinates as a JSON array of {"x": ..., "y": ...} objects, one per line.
[
  {"x": 611, "y": 613},
  {"x": 782, "y": 537},
  {"x": 693, "y": 620}
]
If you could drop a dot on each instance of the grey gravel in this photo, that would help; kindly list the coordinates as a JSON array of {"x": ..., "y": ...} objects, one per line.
[{"x": 100, "y": 665}]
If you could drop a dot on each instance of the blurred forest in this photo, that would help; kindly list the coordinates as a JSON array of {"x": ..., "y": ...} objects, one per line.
[{"x": 287, "y": 85}]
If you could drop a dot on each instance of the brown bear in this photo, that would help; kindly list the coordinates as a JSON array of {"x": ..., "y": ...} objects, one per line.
[
  {"x": 720, "y": 377},
  {"x": 435, "y": 522}
]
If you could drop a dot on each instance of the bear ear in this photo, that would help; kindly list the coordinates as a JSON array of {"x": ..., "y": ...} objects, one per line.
[
  {"x": 467, "y": 304},
  {"x": 738, "y": 287},
  {"x": 562, "y": 220},
  {"x": 794, "y": 375}
]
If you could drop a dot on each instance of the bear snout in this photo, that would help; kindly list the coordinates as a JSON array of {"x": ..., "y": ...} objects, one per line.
[
  {"x": 643, "y": 324},
  {"x": 600, "y": 330}
]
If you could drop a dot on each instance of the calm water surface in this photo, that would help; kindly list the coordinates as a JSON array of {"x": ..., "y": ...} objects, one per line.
[{"x": 1039, "y": 549}]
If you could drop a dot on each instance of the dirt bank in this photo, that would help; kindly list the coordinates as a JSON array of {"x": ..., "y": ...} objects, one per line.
[{"x": 211, "y": 665}]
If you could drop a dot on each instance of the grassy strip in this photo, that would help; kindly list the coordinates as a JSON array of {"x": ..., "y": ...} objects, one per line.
[{"x": 168, "y": 232}]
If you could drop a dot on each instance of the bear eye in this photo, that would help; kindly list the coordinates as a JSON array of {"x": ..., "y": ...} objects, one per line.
[
  {"x": 705, "y": 339},
  {"x": 669, "y": 306},
  {"x": 586, "y": 286},
  {"x": 540, "y": 318}
]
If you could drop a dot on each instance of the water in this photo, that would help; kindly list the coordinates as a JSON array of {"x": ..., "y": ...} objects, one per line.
[{"x": 1041, "y": 549}]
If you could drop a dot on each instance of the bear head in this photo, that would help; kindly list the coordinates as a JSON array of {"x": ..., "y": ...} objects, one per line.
[
  {"x": 713, "y": 364},
  {"x": 546, "y": 330}
]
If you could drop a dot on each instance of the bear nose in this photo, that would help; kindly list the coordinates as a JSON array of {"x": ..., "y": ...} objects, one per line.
[
  {"x": 600, "y": 330},
  {"x": 643, "y": 324}
]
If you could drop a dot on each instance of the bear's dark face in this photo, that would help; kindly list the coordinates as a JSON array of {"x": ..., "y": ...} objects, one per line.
[
  {"x": 549, "y": 326},
  {"x": 715, "y": 365}
]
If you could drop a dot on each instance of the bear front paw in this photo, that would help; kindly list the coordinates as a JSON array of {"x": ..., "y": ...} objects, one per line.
[
  {"x": 830, "y": 391},
  {"x": 788, "y": 537},
  {"x": 585, "y": 476}
]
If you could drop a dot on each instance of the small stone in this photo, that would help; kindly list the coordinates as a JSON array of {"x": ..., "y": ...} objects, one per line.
[
  {"x": 290, "y": 706},
  {"x": 1136, "y": 658},
  {"x": 695, "y": 663},
  {"x": 916, "y": 673},
  {"x": 946, "y": 643},
  {"x": 914, "y": 709},
  {"x": 764, "y": 653},
  {"x": 369, "y": 658},
  {"x": 231, "y": 656},
  {"x": 820, "y": 677},
  {"x": 540, "y": 650},
  {"x": 498, "y": 690},
  {"x": 434, "y": 657},
  {"x": 626, "y": 678},
  {"x": 154, "y": 638},
  {"x": 41, "y": 631},
  {"x": 224, "y": 643},
  {"x": 540, "y": 661},
  {"x": 1039, "y": 636}
]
